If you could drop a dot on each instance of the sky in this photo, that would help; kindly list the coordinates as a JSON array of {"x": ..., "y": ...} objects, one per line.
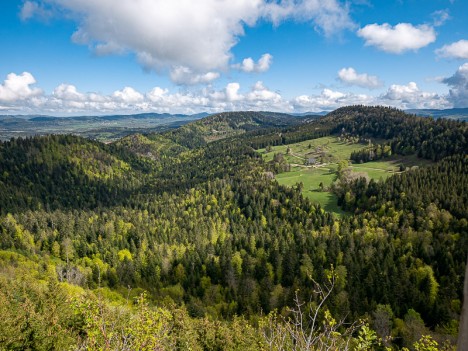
[{"x": 90, "y": 57}]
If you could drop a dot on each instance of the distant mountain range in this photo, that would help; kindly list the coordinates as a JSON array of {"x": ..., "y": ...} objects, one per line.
[
  {"x": 97, "y": 127},
  {"x": 46, "y": 118},
  {"x": 112, "y": 127},
  {"x": 453, "y": 113},
  {"x": 303, "y": 114}
]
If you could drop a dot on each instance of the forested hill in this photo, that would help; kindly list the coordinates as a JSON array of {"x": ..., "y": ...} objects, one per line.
[
  {"x": 242, "y": 121},
  {"x": 196, "y": 219},
  {"x": 64, "y": 171},
  {"x": 228, "y": 124},
  {"x": 199, "y": 133},
  {"x": 405, "y": 134}
]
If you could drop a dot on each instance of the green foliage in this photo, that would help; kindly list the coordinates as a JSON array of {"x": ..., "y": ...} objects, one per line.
[
  {"x": 426, "y": 343},
  {"x": 206, "y": 231},
  {"x": 366, "y": 339},
  {"x": 120, "y": 328},
  {"x": 34, "y": 315}
]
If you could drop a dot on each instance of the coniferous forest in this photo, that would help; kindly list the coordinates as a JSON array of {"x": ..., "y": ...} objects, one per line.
[{"x": 184, "y": 240}]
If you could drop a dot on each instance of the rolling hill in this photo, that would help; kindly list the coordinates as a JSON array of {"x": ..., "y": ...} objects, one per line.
[
  {"x": 209, "y": 129},
  {"x": 192, "y": 225}
]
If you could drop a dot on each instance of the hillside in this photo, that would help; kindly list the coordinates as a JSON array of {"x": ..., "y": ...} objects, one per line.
[
  {"x": 227, "y": 124},
  {"x": 65, "y": 172},
  {"x": 154, "y": 146},
  {"x": 177, "y": 234},
  {"x": 378, "y": 141},
  {"x": 199, "y": 133}
]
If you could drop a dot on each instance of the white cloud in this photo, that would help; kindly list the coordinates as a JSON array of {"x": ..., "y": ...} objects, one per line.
[
  {"x": 68, "y": 92},
  {"x": 397, "y": 39},
  {"x": 165, "y": 35},
  {"x": 17, "y": 95},
  {"x": 402, "y": 92},
  {"x": 128, "y": 95},
  {"x": 410, "y": 96},
  {"x": 157, "y": 94},
  {"x": 32, "y": 9},
  {"x": 248, "y": 64},
  {"x": 232, "y": 92},
  {"x": 328, "y": 16},
  {"x": 28, "y": 10},
  {"x": 184, "y": 75},
  {"x": 258, "y": 98},
  {"x": 261, "y": 93},
  {"x": 18, "y": 87},
  {"x": 440, "y": 17},
  {"x": 349, "y": 76},
  {"x": 457, "y": 50},
  {"x": 329, "y": 100},
  {"x": 400, "y": 96},
  {"x": 458, "y": 94}
]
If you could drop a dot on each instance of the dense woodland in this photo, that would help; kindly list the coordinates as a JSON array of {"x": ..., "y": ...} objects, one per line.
[{"x": 182, "y": 232}]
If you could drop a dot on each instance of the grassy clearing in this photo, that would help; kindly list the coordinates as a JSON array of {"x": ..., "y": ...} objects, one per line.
[
  {"x": 311, "y": 179},
  {"x": 388, "y": 167},
  {"x": 329, "y": 151}
]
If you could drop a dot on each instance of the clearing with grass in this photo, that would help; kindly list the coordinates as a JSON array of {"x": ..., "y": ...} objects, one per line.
[{"x": 314, "y": 164}]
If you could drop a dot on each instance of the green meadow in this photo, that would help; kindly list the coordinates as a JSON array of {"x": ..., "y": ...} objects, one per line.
[
  {"x": 311, "y": 179},
  {"x": 330, "y": 150}
]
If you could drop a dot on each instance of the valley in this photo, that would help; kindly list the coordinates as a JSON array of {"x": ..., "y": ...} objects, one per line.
[
  {"x": 234, "y": 223},
  {"x": 268, "y": 175}
]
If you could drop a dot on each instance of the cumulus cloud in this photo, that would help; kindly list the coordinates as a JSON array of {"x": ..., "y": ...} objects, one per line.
[
  {"x": 157, "y": 94},
  {"x": 457, "y": 50},
  {"x": 16, "y": 94},
  {"x": 458, "y": 83},
  {"x": 161, "y": 33},
  {"x": 128, "y": 95},
  {"x": 186, "y": 76},
  {"x": 18, "y": 87},
  {"x": 166, "y": 35},
  {"x": 349, "y": 76},
  {"x": 261, "y": 93},
  {"x": 68, "y": 92},
  {"x": 397, "y": 39},
  {"x": 400, "y": 96},
  {"x": 258, "y": 98},
  {"x": 402, "y": 92},
  {"x": 232, "y": 92},
  {"x": 32, "y": 9},
  {"x": 328, "y": 16},
  {"x": 410, "y": 96},
  {"x": 329, "y": 100},
  {"x": 249, "y": 65}
]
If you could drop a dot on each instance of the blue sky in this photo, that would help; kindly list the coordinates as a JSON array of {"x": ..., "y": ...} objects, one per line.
[{"x": 74, "y": 57}]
